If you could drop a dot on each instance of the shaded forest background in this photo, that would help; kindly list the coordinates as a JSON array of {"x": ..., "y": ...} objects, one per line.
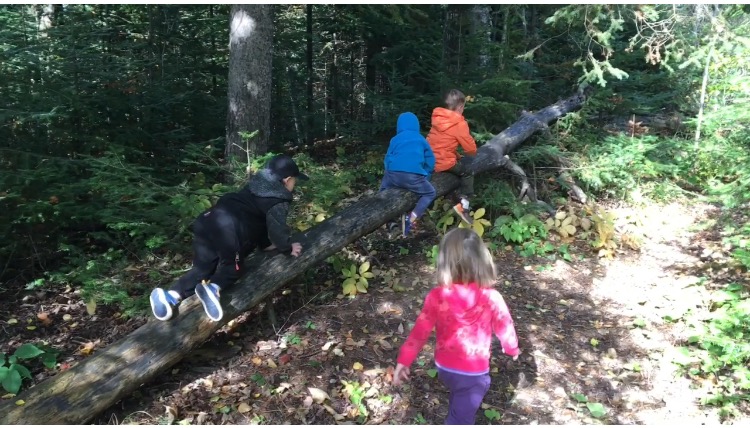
[{"x": 113, "y": 132}]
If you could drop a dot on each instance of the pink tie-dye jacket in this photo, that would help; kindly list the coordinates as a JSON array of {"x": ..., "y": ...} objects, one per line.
[{"x": 464, "y": 316}]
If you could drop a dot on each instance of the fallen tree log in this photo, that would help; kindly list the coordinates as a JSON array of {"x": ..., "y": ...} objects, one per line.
[{"x": 82, "y": 392}]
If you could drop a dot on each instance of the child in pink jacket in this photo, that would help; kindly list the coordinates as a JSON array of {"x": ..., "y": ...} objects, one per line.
[{"x": 465, "y": 311}]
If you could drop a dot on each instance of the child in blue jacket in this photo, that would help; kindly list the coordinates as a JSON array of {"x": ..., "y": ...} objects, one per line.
[{"x": 408, "y": 165}]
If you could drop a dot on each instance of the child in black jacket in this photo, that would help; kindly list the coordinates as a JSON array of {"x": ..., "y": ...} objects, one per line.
[{"x": 225, "y": 234}]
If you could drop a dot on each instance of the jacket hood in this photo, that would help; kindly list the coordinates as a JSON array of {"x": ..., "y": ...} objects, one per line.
[
  {"x": 444, "y": 119},
  {"x": 407, "y": 122},
  {"x": 470, "y": 305},
  {"x": 265, "y": 185}
]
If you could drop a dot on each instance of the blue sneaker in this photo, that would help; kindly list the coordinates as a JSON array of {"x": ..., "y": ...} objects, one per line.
[
  {"x": 208, "y": 293},
  {"x": 162, "y": 303},
  {"x": 407, "y": 223}
]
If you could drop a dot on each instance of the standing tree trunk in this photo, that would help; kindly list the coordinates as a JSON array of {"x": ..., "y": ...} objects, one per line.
[
  {"x": 250, "y": 53},
  {"x": 309, "y": 59},
  {"x": 482, "y": 29}
]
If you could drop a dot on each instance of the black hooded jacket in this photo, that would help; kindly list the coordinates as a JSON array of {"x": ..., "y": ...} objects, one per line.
[{"x": 260, "y": 210}]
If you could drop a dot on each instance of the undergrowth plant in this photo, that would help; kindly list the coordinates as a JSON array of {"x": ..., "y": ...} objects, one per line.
[
  {"x": 478, "y": 224},
  {"x": 355, "y": 279},
  {"x": 719, "y": 349},
  {"x": 13, "y": 370}
]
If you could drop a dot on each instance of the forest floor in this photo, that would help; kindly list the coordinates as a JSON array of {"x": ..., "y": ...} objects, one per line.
[{"x": 591, "y": 331}]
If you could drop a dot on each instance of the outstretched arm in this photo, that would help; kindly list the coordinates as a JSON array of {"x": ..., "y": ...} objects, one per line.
[
  {"x": 465, "y": 139},
  {"x": 278, "y": 231},
  {"x": 417, "y": 338}
]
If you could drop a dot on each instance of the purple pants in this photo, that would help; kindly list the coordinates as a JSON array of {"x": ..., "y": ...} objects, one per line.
[{"x": 466, "y": 394}]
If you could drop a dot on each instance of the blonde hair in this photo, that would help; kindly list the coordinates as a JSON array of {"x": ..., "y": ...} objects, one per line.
[
  {"x": 454, "y": 99},
  {"x": 463, "y": 258}
]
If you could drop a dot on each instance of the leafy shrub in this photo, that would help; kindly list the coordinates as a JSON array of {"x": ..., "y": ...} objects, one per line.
[
  {"x": 720, "y": 350},
  {"x": 12, "y": 370},
  {"x": 619, "y": 164}
]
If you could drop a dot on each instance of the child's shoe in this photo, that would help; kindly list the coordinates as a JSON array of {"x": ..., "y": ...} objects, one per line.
[
  {"x": 463, "y": 210},
  {"x": 408, "y": 222},
  {"x": 392, "y": 228},
  {"x": 208, "y": 293},
  {"x": 162, "y": 303}
]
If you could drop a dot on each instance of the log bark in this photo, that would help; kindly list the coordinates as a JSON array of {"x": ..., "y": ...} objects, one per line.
[{"x": 82, "y": 392}]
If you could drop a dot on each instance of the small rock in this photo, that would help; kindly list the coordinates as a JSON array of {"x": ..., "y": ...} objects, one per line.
[
  {"x": 612, "y": 353},
  {"x": 560, "y": 392}
]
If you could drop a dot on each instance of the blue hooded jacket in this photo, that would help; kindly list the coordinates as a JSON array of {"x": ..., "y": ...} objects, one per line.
[{"x": 409, "y": 150}]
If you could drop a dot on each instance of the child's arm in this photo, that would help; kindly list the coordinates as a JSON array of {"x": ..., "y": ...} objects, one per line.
[
  {"x": 503, "y": 326},
  {"x": 278, "y": 231},
  {"x": 417, "y": 338},
  {"x": 429, "y": 158},
  {"x": 465, "y": 139}
]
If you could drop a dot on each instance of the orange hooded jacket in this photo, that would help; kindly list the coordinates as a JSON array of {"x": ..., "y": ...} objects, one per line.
[{"x": 449, "y": 129}]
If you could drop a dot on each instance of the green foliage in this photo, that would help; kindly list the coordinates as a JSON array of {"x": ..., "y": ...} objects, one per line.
[
  {"x": 355, "y": 393},
  {"x": 493, "y": 105},
  {"x": 596, "y": 410},
  {"x": 318, "y": 198},
  {"x": 719, "y": 349},
  {"x": 355, "y": 280},
  {"x": 619, "y": 164},
  {"x": 602, "y": 28},
  {"x": 492, "y": 415},
  {"x": 518, "y": 230},
  {"x": 527, "y": 232},
  {"x": 13, "y": 370},
  {"x": 604, "y": 225},
  {"x": 497, "y": 197},
  {"x": 478, "y": 224},
  {"x": 432, "y": 254}
]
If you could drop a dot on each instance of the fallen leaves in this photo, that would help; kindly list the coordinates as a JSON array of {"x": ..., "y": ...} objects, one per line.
[
  {"x": 87, "y": 348},
  {"x": 91, "y": 307},
  {"x": 171, "y": 414},
  {"x": 44, "y": 318},
  {"x": 318, "y": 395},
  {"x": 352, "y": 343},
  {"x": 385, "y": 345},
  {"x": 357, "y": 366},
  {"x": 243, "y": 407}
]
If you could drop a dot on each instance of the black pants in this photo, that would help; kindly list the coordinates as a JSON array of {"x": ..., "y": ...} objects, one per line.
[
  {"x": 216, "y": 253},
  {"x": 463, "y": 169}
]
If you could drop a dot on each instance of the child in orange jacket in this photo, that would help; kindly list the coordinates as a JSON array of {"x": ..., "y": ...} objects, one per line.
[{"x": 449, "y": 130}]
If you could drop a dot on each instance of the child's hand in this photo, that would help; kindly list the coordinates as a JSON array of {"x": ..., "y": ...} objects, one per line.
[
  {"x": 400, "y": 374},
  {"x": 296, "y": 249}
]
